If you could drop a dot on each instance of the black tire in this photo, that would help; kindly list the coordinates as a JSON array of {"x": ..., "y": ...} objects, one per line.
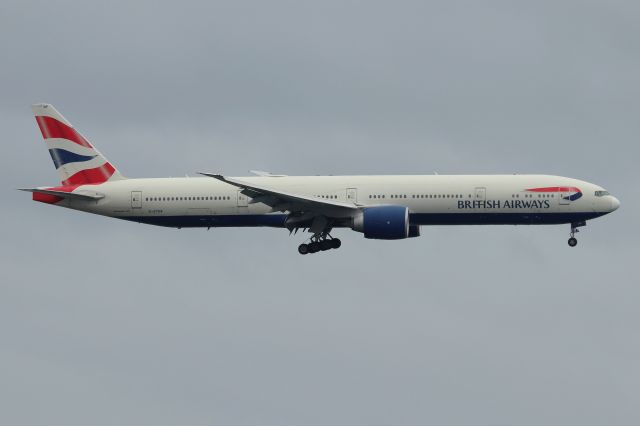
[
  {"x": 313, "y": 247},
  {"x": 336, "y": 243},
  {"x": 303, "y": 249},
  {"x": 572, "y": 242},
  {"x": 325, "y": 245}
]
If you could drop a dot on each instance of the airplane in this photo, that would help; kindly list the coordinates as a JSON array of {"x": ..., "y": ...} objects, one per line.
[{"x": 379, "y": 207}]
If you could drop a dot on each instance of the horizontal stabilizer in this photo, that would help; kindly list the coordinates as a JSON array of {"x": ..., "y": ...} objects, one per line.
[{"x": 82, "y": 195}]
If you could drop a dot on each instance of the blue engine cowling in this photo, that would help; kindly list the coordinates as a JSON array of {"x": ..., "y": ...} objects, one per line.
[{"x": 384, "y": 223}]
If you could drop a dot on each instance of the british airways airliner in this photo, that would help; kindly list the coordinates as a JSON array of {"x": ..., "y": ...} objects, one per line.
[{"x": 380, "y": 207}]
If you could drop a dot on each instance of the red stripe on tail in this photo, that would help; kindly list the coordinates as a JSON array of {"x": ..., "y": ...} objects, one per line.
[
  {"x": 52, "y": 128},
  {"x": 46, "y": 198},
  {"x": 91, "y": 176},
  {"x": 52, "y": 199}
]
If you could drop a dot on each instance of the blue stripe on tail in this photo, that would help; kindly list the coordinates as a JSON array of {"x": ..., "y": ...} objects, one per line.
[{"x": 61, "y": 157}]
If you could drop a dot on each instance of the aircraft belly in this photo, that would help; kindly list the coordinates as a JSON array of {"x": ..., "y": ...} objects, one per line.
[{"x": 501, "y": 218}]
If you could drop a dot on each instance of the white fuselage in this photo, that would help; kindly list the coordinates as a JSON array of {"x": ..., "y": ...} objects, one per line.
[{"x": 431, "y": 199}]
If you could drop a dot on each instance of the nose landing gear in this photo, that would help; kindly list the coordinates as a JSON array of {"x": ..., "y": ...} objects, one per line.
[
  {"x": 319, "y": 242},
  {"x": 574, "y": 229}
]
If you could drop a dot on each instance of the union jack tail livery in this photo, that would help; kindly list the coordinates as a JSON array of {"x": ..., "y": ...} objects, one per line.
[{"x": 77, "y": 161}]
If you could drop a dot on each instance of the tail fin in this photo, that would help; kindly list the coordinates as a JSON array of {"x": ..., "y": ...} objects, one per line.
[{"x": 77, "y": 161}]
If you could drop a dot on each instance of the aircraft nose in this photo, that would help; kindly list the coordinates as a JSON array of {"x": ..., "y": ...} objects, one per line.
[{"x": 615, "y": 203}]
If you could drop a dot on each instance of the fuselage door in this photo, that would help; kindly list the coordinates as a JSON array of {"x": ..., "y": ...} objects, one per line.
[
  {"x": 352, "y": 195},
  {"x": 136, "y": 199},
  {"x": 563, "y": 201},
  {"x": 481, "y": 194},
  {"x": 242, "y": 199}
]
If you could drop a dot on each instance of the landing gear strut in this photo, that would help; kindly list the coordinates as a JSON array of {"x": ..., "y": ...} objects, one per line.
[
  {"x": 319, "y": 242},
  {"x": 574, "y": 229}
]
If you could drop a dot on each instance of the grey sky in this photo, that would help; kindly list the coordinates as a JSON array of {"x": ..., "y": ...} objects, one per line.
[{"x": 107, "y": 322}]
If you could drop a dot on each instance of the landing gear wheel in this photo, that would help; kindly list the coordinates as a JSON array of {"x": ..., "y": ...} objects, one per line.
[
  {"x": 325, "y": 245},
  {"x": 319, "y": 241},
  {"x": 574, "y": 229}
]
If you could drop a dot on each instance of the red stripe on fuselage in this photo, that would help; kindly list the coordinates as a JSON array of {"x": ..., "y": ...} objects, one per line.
[
  {"x": 555, "y": 189},
  {"x": 52, "y": 128},
  {"x": 91, "y": 176}
]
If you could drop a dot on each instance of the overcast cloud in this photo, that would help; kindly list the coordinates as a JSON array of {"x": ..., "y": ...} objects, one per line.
[{"x": 105, "y": 322}]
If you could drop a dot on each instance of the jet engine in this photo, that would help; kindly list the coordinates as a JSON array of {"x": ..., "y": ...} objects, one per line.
[{"x": 385, "y": 223}]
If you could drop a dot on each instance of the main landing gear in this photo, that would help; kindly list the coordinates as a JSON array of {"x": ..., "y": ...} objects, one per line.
[
  {"x": 319, "y": 242},
  {"x": 574, "y": 229}
]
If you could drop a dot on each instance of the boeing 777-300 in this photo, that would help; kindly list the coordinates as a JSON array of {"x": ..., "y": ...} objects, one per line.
[{"x": 380, "y": 207}]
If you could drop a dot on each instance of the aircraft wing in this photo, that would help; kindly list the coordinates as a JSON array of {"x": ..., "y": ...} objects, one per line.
[
  {"x": 265, "y": 174},
  {"x": 283, "y": 201}
]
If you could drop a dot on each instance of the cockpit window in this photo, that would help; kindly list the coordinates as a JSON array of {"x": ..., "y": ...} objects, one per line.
[{"x": 601, "y": 193}]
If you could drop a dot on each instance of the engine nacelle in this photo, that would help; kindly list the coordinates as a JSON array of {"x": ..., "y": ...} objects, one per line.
[{"x": 383, "y": 222}]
